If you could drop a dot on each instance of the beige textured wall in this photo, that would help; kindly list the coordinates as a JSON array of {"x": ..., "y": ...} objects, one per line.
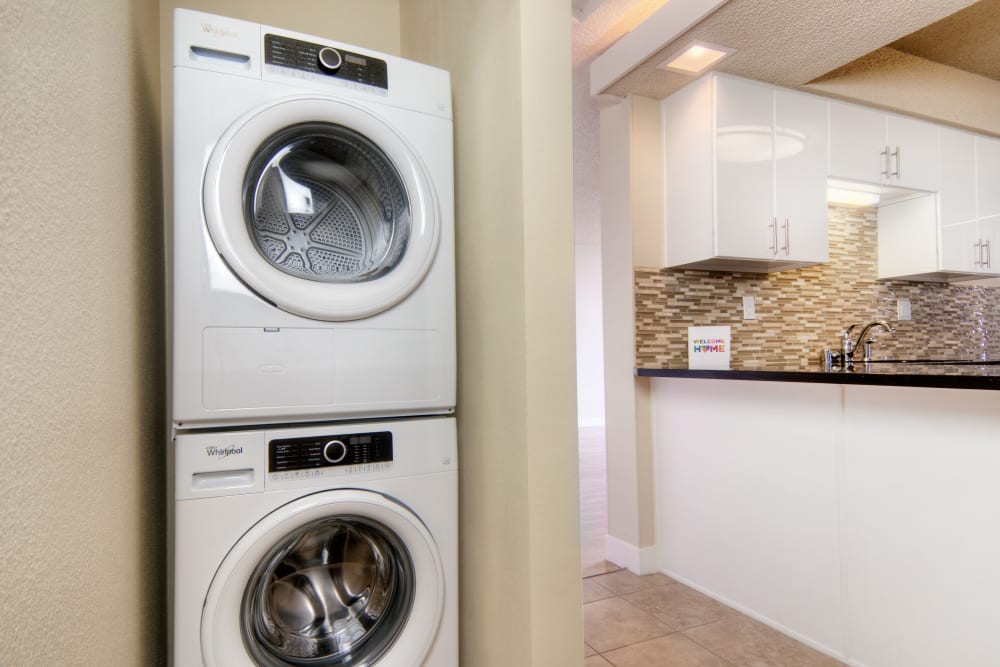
[
  {"x": 81, "y": 283},
  {"x": 898, "y": 81},
  {"x": 520, "y": 566},
  {"x": 82, "y": 482}
]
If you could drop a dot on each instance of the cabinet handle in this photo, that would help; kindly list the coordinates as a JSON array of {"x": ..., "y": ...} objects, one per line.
[
  {"x": 987, "y": 245},
  {"x": 788, "y": 243},
  {"x": 774, "y": 237},
  {"x": 978, "y": 245},
  {"x": 885, "y": 162},
  {"x": 896, "y": 173}
]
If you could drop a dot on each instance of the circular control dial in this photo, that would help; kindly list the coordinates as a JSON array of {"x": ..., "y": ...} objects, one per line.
[
  {"x": 334, "y": 451},
  {"x": 330, "y": 59}
]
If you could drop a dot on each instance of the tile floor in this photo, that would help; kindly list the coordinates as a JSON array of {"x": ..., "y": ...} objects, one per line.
[{"x": 654, "y": 621}]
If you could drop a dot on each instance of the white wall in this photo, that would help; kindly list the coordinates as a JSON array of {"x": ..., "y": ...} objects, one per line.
[
  {"x": 589, "y": 336},
  {"x": 860, "y": 519},
  {"x": 587, "y": 226}
]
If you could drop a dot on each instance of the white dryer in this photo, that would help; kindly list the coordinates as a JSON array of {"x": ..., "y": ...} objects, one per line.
[
  {"x": 312, "y": 270},
  {"x": 328, "y": 545}
]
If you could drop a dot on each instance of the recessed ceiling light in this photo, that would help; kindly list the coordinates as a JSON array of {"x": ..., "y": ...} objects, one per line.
[{"x": 696, "y": 57}]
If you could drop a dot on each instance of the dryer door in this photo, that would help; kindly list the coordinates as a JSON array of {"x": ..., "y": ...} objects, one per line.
[
  {"x": 340, "y": 577},
  {"x": 321, "y": 208}
]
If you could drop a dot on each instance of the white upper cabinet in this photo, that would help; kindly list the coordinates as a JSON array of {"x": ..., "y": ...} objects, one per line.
[
  {"x": 958, "y": 177},
  {"x": 745, "y": 176},
  {"x": 872, "y": 146},
  {"x": 963, "y": 244},
  {"x": 987, "y": 176},
  {"x": 913, "y": 153}
]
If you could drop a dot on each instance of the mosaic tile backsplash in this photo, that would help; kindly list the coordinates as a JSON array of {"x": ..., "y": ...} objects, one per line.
[{"x": 803, "y": 311}]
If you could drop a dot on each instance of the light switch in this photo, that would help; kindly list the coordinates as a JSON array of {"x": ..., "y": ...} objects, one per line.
[
  {"x": 749, "y": 308},
  {"x": 903, "y": 311}
]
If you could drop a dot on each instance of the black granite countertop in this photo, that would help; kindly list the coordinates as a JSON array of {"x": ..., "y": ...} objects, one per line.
[{"x": 899, "y": 374}]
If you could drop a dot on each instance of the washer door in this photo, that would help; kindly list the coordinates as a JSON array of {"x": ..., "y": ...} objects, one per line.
[
  {"x": 321, "y": 208},
  {"x": 341, "y": 577}
]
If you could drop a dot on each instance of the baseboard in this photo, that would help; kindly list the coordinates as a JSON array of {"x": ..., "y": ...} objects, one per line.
[{"x": 639, "y": 560}]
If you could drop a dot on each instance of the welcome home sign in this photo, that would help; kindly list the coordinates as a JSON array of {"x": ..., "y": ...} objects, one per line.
[{"x": 708, "y": 347}]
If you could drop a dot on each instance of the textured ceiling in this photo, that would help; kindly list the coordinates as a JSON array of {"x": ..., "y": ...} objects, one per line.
[
  {"x": 968, "y": 40},
  {"x": 792, "y": 42}
]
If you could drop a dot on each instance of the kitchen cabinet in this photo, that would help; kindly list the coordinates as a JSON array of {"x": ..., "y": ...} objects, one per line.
[
  {"x": 872, "y": 146},
  {"x": 987, "y": 177},
  {"x": 963, "y": 245},
  {"x": 745, "y": 176},
  {"x": 960, "y": 238}
]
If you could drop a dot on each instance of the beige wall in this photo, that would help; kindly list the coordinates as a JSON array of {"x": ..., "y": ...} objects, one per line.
[
  {"x": 520, "y": 558},
  {"x": 82, "y": 285},
  {"x": 82, "y": 526},
  {"x": 898, "y": 81},
  {"x": 631, "y": 208},
  {"x": 82, "y": 397}
]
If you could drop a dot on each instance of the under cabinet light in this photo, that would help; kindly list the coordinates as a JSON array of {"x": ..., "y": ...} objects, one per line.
[
  {"x": 851, "y": 197},
  {"x": 696, "y": 57}
]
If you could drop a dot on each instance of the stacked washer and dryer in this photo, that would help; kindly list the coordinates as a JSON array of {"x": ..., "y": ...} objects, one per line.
[{"x": 312, "y": 450}]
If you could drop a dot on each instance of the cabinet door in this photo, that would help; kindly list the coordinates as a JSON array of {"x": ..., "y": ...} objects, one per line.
[
  {"x": 959, "y": 247},
  {"x": 989, "y": 237},
  {"x": 987, "y": 176},
  {"x": 857, "y": 143},
  {"x": 800, "y": 160},
  {"x": 958, "y": 177},
  {"x": 913, "y": 153},
  {"x": 744, "y": 166}
]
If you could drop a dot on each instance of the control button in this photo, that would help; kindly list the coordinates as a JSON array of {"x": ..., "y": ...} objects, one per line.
[
  {"x": 334, "y": 451},
  {"x": 330, "y": 59}
]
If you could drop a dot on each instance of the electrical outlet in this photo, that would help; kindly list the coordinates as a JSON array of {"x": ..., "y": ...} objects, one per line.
[
  {"x": 749, "y": 308},
  {"x": 903, "y": 311}
]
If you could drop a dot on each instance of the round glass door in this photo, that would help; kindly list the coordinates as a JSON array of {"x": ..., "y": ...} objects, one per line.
[
  {"x": 324, "y": 203},
  {"x": 321, "y": 208},
  {"x": 334, "y": 578},
  {"x": 337, "y": 591}
]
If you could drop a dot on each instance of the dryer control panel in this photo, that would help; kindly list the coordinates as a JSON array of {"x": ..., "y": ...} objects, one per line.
[
  {"x": 328, "y": 451},
  {"x": 326, "y": 60}
]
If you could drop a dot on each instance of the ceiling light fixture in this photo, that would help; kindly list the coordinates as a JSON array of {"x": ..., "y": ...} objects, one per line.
[{"x": 696, "y": 57}]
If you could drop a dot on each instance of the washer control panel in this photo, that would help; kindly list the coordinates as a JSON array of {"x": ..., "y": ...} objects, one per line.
[
  {"x": 326, "y": 60},
  {"x": 328, "y": 451}
]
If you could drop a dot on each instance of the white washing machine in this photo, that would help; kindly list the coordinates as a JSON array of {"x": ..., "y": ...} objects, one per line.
[
  {"x": 323, "y": 545},
  {"x": 312, "y": 270}
]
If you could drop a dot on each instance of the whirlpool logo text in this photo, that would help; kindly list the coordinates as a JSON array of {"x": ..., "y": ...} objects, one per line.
[
  {"x": 217, "y": 31},
  {"x": 223, "y": 452}
]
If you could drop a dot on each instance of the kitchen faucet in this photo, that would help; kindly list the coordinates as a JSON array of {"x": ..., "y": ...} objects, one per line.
[{"x": 850, "y": 346}]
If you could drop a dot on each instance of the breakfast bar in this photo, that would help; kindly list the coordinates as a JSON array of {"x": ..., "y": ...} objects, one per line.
[{"x": 937, "y": 374}]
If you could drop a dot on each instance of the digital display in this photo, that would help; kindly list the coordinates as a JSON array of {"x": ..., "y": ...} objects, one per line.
[
  {"x": 355, "y": 60},
  {"x": 289, "y": 454}
]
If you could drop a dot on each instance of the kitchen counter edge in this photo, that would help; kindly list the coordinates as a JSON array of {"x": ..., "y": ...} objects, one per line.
[{"x": 908, "y": 378}]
